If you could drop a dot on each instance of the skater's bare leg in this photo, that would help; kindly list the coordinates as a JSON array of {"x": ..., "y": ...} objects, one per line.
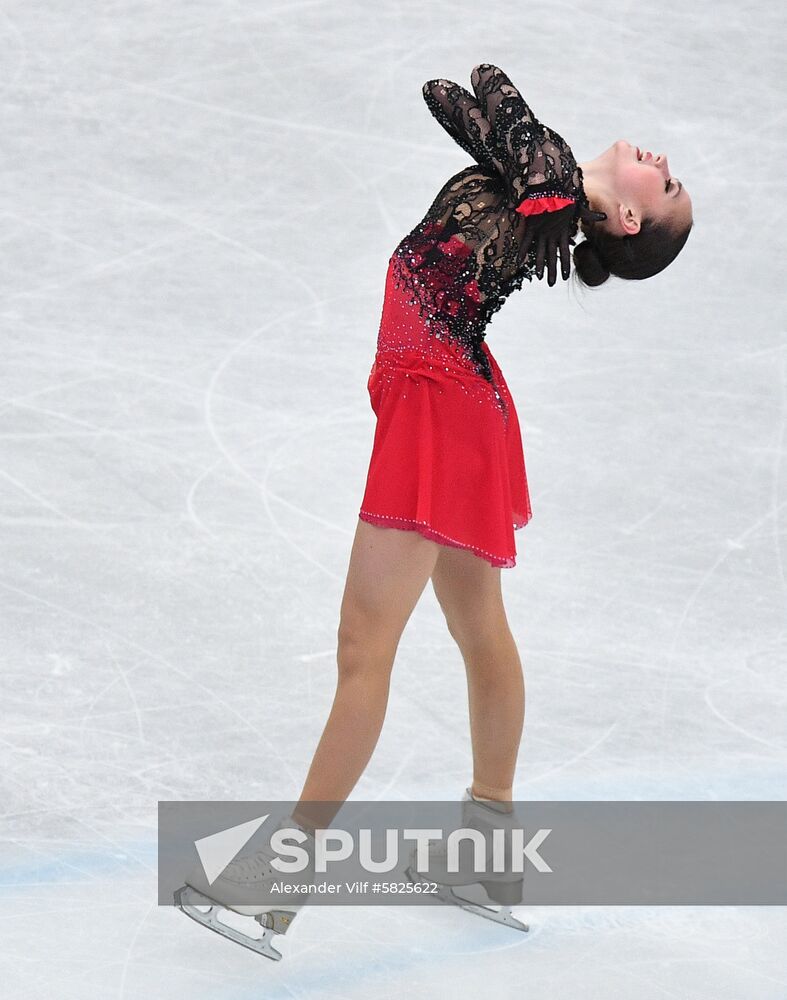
[
  {"x": 387, "y": 573},
  {"x": 468, "y": 590}
]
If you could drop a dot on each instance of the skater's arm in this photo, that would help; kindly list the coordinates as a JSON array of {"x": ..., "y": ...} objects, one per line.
[
  {"x": 497, "y": 128},
  {"x": 460, "y": 115},
  {"x": 531, "y": 155},
  {"x": 501, "y": 103},
  {"x": 542, "y": 177},
  {"x": 472, "y": 217},
  {"x": 532, "y": 166}
]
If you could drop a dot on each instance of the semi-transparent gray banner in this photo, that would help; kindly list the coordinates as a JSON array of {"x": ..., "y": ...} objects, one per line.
[{"x": 254, "y": 853}]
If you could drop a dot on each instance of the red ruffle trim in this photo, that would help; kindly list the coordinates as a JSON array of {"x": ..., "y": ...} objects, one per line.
[{"x": 535, "y": 206}]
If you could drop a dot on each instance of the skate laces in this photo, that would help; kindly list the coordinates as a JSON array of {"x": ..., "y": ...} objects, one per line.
[{"x": 251, "y": 864}]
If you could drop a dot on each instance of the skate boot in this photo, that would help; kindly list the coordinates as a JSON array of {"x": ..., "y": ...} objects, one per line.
[
  {"x": 480, "y": 891},
  {"x": 230, "y": 905}
]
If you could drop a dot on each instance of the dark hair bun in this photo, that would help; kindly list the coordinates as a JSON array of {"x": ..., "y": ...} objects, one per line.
[{"x": 588, "y": 264}]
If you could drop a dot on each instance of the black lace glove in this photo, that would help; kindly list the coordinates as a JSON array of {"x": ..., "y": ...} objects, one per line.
[{"x": 552, "y": 232}]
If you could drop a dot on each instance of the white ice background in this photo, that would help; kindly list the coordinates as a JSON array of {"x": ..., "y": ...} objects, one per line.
[{"x": 198, "y": 203}]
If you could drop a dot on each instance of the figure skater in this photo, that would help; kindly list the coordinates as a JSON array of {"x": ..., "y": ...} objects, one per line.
[{"x": 446, "y": 485}]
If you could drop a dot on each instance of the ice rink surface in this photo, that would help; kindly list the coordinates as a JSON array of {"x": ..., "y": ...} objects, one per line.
[{"x": 198, "y": 203}]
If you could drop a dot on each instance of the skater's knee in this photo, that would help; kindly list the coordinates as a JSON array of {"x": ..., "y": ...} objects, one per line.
[
  {"x": 363, "y": 650},
  {"x": 469, "y": 593},
  {"x": 369, "y": 625},
  {"x": 479, "y": 635}
]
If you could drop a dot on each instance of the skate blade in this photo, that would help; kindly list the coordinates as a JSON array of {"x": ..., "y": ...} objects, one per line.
[
  {"x": 448, "y": 895},
  {"x": 502, "y": 916},
  {"x": 188, "y": 900}
]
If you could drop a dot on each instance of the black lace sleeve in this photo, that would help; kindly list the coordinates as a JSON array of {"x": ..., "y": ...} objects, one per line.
[
  {"x": 460, "y": 115},
  {"x": 537, "y": 163},
  {"x": 470, "y": 251}
]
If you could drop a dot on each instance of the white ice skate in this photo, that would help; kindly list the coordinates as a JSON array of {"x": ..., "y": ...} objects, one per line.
[
  {"x": 504, "y": 889},
  {"x": 230, "y": 904}
]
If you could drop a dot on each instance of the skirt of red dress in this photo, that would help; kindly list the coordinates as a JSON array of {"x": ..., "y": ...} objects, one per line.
[{"x": 447, "y": 460}]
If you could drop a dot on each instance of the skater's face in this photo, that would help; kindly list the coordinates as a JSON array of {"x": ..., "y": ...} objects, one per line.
[{"x": 635, "y": 185}]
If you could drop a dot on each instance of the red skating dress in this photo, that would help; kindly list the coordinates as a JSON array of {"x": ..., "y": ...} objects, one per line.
[{"x": 447, "y": 458}]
